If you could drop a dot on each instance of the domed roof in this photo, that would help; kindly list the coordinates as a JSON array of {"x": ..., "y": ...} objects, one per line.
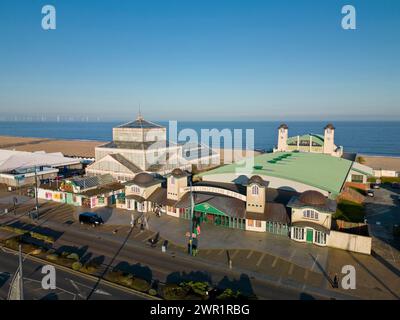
[
  {"x": 256, "y": 179},
  {"x": 177, "y": 172},
  {"x": 330, "y": 126},
  {"x": 142, "y": 178},
  {"x": 312, "y": 197},
  {"x": 283, "y": 125}
]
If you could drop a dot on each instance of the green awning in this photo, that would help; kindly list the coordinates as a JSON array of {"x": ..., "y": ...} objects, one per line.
[{"x": 207, "y": 208}]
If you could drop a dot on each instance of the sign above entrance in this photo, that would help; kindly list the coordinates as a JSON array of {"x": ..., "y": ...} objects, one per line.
[{"x": 224, "y": 192}]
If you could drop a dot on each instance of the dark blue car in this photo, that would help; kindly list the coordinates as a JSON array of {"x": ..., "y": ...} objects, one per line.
[{"x": 90, "y": 218}]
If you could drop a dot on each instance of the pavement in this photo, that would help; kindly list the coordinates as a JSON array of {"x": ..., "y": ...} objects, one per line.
[{"x": 214, "y": 237}]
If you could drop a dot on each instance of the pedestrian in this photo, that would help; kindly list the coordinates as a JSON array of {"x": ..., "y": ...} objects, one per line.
[{"x": 335, "y": 281}]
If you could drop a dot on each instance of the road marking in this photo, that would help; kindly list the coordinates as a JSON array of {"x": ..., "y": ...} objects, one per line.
[
  {"x": 148, "y": 238},
  {"x": 274, "y": 263},
  {"x": 315, "y": 262},
  {"x": 137, "y": 234},
  {"x": 249, "y": 255},
  {"x": 261, "y": 259},
  {"x": 291, "y": 269},
  {"x": 234, "y": 254}
]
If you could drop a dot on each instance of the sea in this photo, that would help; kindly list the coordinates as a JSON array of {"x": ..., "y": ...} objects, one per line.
[{"x": 369, "y": 137}]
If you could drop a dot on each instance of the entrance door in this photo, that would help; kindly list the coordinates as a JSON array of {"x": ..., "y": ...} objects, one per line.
[{"x": 309, "y": 236}]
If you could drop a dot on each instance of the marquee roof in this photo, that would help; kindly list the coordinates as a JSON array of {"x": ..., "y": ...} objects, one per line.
[{"x": 16, "y": 160}]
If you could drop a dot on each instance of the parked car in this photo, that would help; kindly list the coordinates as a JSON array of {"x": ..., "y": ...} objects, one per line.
[
  {"x": 370, "y": 193},
  {"x": 90, "y": 218},
  {"x": 396, "y": 185},
  {"x": 375, "y": 185}
]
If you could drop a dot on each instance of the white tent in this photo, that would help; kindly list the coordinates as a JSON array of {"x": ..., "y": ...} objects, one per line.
[{"x": 14, "y": 160}]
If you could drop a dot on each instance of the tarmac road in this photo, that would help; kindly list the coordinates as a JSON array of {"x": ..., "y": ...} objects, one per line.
[{"x": 69, "y": 286}]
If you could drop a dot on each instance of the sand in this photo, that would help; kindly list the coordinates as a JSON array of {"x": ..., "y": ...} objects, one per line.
[
  {"x": 85, "y": 148},
  {"x": 72, "y": 148}
]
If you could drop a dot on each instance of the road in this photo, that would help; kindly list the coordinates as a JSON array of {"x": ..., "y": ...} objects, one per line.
[{"x": 69, "y": 286}]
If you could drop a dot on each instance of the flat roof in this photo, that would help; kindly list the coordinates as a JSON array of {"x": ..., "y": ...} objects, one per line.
[{"x": 315, "y": 169}]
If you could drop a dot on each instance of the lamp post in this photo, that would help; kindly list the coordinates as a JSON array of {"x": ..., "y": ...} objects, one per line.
[
  {"x": 191, "y": 219},
  {"x": 36, "y": 194}
]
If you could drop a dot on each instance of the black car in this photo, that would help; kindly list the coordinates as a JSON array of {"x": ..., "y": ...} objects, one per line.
[{"x": 90, "y": 218}]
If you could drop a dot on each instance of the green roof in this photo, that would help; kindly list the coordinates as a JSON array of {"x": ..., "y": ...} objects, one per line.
[
  {"x": 321, "y": 171},
  {"x": 316, "y": 138}
]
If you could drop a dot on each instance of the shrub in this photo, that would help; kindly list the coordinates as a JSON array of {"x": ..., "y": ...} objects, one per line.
[
  {"x": 175, "y": 292},
  {"x": 128, "y": 280},
  {"x": 76, "y": 266},
  {"x": 13, "y": 243},
  {"x": 140, "y": 284},
  {"x": 89, "y": 268},
  {"x": 198, "y": 287},
  {"x": 152, "y": 292},
  {"x": 13, "y": 230},
  {"x": 73, "y": 256},
  {"x": 42, "y": 237},
  {"x": 52, "y": 257},
  {"x": 228, "y": 294}
]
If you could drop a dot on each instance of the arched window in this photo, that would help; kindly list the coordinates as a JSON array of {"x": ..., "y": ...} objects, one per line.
[
  {"x": 172, "y": 180},
  {"x": 254, "y": 190},
  {"x": 310, "y": 214}
]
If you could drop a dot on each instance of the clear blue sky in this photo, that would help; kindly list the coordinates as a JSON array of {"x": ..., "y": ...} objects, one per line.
[{"x": 201, "y": 59}]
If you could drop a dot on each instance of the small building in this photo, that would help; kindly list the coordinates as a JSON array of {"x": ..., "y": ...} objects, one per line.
[
  {"x": 20, "y": 168},
  {"x": 315, "y": 143},
  {"x": 311, "y": 222},
  {"x": 138, "y": 191},
  {"x": 89, "y": 192}
]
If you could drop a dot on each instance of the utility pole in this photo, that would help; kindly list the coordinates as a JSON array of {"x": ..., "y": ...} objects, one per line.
[
  {"x": 191, "y": 219},
  {"x": 36, "y": 194},
  {"x": 21, "y": 276},
  {"x": 17, "y": 284}
]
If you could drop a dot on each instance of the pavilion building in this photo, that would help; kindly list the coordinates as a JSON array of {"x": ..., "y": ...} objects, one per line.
[
  {"x": 142, "y": 146},
  {"x": 315, "y": 143}
]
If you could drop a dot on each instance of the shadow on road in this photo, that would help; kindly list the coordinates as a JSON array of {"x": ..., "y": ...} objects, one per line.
[{"x": 4, "y": 276}]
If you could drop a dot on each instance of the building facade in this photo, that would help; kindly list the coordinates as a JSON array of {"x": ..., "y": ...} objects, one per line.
[
  {"x": 142, "y": 146},
  {"x": 315, "y": 143}
]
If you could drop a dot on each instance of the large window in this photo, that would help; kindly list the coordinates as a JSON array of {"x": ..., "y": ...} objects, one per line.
[
  {"x": 320, "y": 237},
  {"x": 254, "y": 190},
  {"x": 298, "y": 233},
  {"x": 254, "y": 223},
  {"x": 310, "y": 214},
  {"x": 135, "y": 189},
  {"x": 357, "y": 178}
]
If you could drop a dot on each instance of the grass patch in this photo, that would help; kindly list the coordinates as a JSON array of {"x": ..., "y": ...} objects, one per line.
[
  {"x": 385, "y": 179},
  {"x": 34, "y": 235},
  {"x": 350, "y": 211}
]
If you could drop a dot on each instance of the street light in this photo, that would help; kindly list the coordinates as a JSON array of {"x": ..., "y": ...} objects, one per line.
[{"x": 191, "y": 219}]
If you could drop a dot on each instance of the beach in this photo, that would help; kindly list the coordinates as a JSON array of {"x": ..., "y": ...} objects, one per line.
[{"x": 71, "y": 148}]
